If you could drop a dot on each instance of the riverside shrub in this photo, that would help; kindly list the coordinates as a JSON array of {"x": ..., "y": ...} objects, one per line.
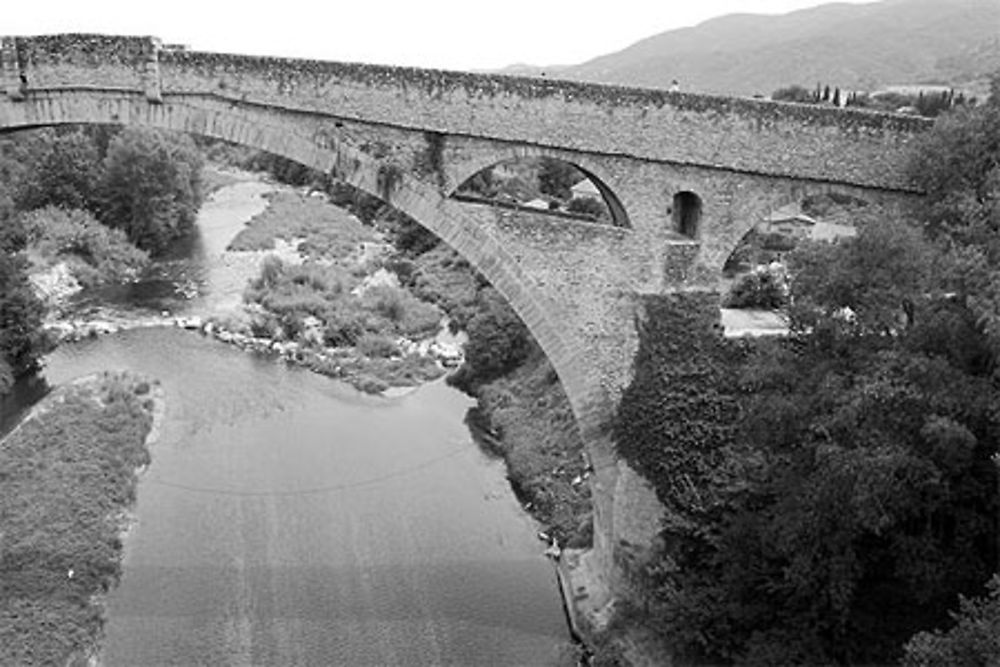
[{"x": 498, "y": 342}]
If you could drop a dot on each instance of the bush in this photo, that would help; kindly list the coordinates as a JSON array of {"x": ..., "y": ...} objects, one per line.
[
  {"x": 761, "y": 288},
  {"x": 100, "y": 254},
  {"x": 498, "y": 341},
  {"x": 376, "y": 346},
  {"x": 405, "y": 314},
  {"x": 587, "y": 207},
  {"x": 345, "y": 321}
]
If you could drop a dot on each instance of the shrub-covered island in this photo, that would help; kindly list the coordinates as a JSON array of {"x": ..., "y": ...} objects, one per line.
[{"x": 68, "y": 475}]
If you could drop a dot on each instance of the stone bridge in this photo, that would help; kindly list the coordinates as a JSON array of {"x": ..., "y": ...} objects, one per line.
[{"x": 684, "y": 176}]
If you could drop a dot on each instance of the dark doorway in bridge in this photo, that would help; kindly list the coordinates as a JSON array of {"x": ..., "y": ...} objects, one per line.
[
  {"x": 687, "y": 213},
  {"x": 548, "y": 185}
]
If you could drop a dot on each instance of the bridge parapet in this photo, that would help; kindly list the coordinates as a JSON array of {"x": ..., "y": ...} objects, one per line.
[
  {"x": 745, "y": 135},
  {"x": 56, "y": 61}
]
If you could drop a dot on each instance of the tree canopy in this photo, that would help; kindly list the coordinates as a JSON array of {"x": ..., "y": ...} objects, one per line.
[
  {"x": 151, "y": 186},
  {"x": 831, "y": 494}
]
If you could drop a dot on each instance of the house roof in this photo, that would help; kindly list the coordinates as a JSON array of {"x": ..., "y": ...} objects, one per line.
[
  {"x": 790, "y": 213},
  {"x": 585, "y": 188}
]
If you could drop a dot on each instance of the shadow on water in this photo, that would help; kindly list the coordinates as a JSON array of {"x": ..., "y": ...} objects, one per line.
[
  {"x": 487, "y": 439},
  {"x": 14, "y": 406},
  {"x": 168, "y": 283}
]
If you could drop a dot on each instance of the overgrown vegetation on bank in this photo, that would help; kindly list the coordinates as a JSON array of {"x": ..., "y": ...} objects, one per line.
[
  {"x": 832, "y": 494},
  {"x": 340, "y": 307},
  {"x": 528, "y": 421},
  {"x": 98, "y": 200},
  {"x": 67, "y": 476}
]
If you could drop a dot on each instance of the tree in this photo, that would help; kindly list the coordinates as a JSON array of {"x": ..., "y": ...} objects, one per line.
[
  {"x": 21, "y": 338},
  {"x": 151, "y": 187},
  {"x": 555, "y": 177},
  {"x": 498, "y": 341},
  {"x": 60, "y": 169},
  {"x": 957, "y": 164},
  {"x": 846, "y": 471},
  {"x": 794, "y": 93},
  {"x": 874, "y": 275},
  {"x": 973, "y": 641}
]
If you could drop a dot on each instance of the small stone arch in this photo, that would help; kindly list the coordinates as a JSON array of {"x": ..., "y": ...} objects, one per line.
[
  {"x": 781, "y": 196},
  {"x": 471, "y": 168},
  {"x": 265, "y": 128}
]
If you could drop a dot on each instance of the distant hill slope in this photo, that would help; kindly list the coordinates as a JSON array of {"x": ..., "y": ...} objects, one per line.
[{"x": 851, "y": 46}]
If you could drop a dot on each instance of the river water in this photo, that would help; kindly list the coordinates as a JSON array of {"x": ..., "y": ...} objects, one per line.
[{"x": 287, "y": 519}]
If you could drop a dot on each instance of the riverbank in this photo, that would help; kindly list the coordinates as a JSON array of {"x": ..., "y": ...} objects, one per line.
[
  {"x": 531, "y": 425},
  {"x": 336, "y": 309},
  {"x": 69, "y": 472}
]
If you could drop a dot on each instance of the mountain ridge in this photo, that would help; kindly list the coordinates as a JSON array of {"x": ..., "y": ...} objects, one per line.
[{"x": 853, "y": 46}]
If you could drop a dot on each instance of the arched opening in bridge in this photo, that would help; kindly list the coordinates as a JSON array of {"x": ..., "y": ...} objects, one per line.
[
  {"x": 686, "y": 213},
  {"x": 754, "y": 275},
  {"x": 545, "y": 185}
]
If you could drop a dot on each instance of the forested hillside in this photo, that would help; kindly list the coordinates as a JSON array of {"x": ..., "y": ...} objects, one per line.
[{"x": 853, "y": 46}]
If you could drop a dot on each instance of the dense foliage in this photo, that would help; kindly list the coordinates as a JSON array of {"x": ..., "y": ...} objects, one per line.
[
  {"x": 835, "y": 493},
  {"x": 973, "y": 641},
  {"x": 21, "y": 339},
  {"x": 96, "y": 253},
  {"x": 84, "y": 196},
  {"x": 760, "y": 288},
  {"x": 58, "y": 169},
  {"x": 67, "y": 474},
  {"x": 498, "y": 342},
  {"x": 151, "y": 186}
]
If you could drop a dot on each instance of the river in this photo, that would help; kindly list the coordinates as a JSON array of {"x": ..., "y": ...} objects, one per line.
[{"x": 287, "y": 519}]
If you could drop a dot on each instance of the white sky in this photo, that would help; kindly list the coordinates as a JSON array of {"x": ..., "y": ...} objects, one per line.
[{"x": 451, "y": 34}]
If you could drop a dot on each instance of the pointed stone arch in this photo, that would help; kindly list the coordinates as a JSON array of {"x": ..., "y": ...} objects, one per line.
[{"x": 276, "y": 131}]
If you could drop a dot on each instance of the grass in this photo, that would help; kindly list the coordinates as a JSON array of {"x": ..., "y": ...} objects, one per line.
[
  {"x": 312, "y": 304},
  {"x": 540, "y": 442},
  {"x": 327, "y": 232},
  {"x": 67, "y": 474},
  {"x": 376, "y": 374}
]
